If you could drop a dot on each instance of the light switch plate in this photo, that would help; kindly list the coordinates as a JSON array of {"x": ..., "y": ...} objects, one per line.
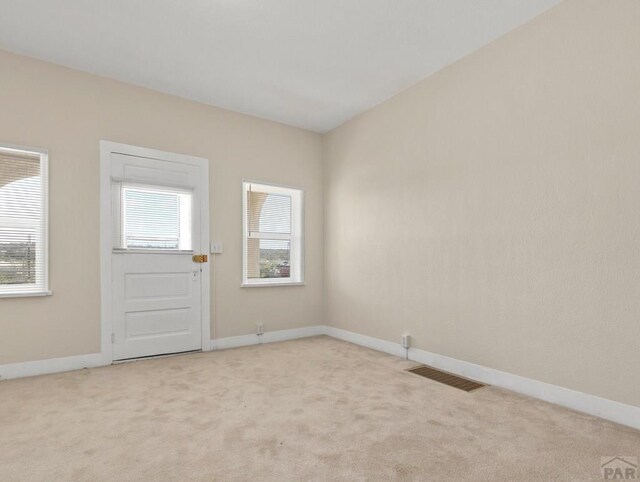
[{"x": 216, "y": 247}]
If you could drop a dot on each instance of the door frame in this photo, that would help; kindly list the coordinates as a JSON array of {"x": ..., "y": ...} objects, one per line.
[{"x": 106, "y": 238}]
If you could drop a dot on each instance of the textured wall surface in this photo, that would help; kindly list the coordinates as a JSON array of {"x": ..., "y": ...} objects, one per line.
[
  {"x": 68, "y": 112},
  {"x": 492, "y": 209}
]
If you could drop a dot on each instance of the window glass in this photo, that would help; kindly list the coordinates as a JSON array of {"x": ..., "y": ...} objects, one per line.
[
  {"x": 23, "y": 236},
  {"x": 155, "y": 218},
  {"x": 269, "y": 258},
  {"x": 273, "y": 234}
]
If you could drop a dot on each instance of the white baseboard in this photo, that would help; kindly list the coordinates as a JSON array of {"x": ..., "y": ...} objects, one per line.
[
  {"x": 368, "y": 341},
  {"x": 78, "y": 362},
  {"x": 267, "y": 337},
  {"x": 621, "y": 413},
  {"x": 52, "y": 365}
]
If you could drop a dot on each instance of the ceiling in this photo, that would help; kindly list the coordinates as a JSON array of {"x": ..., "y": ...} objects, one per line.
[{"x": 308, "y": 63}]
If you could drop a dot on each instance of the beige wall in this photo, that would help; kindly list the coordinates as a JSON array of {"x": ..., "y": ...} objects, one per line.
[
  {"x": 492, "y": 210},
  {"x": 68, "y": 112}
]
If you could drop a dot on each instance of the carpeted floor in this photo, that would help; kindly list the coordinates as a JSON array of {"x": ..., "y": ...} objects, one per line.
[{"x": 311, "y": 409}]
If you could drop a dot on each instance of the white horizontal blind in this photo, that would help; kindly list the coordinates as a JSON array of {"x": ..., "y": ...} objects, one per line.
[
  {"x": 156, "y": 218},
  {"x": 272, "y": 240},
  {"x": 23, "y": 223},
  {"x": 269, "y": 213}
]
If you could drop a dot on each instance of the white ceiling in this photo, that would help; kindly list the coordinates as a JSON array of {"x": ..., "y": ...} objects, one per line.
[{"x": 307, "y": 63}]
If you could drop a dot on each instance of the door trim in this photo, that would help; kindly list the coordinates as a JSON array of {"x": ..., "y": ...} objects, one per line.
[{"x": 106, "y": 248}]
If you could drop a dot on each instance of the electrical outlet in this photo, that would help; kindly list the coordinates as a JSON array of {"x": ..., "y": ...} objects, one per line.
[
  {"x": 259, "y": 328},
  {"x": 406, "y": 341}
]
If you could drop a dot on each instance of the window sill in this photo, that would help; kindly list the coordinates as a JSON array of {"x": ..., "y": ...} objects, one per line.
[
  {"x": 267, "y": 284},
  {"x": 26, "y": 294},
  {"x": 151, "y": 251}
]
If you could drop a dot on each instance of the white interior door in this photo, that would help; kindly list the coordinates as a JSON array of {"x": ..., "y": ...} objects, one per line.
[{"x": 156, "y": 285}]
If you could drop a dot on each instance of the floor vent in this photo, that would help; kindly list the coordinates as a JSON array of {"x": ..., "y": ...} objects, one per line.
[{"x": 446, "y": 378}]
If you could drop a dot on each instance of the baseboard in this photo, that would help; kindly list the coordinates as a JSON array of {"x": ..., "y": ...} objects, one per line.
[
  {"x": 621, "y": 413},
  {"x": 52, "y": 365},
  {"x": 78, "y": 362},
  {"x": 368, "y": 341},
  {"x": 267, "y": 337}
]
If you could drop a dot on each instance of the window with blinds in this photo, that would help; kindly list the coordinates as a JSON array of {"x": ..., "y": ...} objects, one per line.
[
  {"x": 154, "y": 218},
  {"x": 23, "y": 222},
  {"x": 272, "y": 234}
]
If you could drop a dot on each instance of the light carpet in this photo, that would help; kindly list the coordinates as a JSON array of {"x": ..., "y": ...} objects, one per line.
[{"x": 310, "y": 409}]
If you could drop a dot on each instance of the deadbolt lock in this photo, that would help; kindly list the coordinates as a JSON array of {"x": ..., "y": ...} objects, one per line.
[{"x": 200, "y": 258}]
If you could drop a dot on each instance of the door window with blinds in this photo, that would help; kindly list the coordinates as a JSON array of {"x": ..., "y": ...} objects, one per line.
[
  {"x": 23, "y": 222},
  {"x": 272, "y": 235},
  {"x": 149, "y": 217}
]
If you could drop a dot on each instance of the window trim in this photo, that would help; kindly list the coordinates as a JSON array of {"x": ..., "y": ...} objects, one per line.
[
  {"x": 44, "y": 289},
  {"x": 297, "y": 231}
]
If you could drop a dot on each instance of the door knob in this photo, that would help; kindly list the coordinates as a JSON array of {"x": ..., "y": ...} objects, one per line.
[{"x": 200, "y": 258}]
